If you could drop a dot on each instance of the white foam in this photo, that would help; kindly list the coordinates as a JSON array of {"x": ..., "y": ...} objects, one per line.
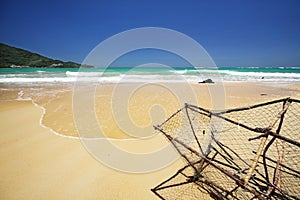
[
  {"x": 262, "y": 74},
  {"x": 36, "y": 80},
  {"x": 84, "y": 74},
  {"x": 180, "y": 71},
  {"x": 177, "y": 76}
]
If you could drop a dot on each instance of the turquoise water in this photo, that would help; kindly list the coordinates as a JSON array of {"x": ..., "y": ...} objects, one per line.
[
  {"x": 265, "y": 74},
  {"x": 126, "y": 69}
]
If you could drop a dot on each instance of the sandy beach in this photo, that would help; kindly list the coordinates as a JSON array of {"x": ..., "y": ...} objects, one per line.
[{"x": 36, "y": 163}]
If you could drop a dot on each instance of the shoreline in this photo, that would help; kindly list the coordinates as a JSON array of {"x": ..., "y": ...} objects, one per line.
[{"x": 236, "y": 95}]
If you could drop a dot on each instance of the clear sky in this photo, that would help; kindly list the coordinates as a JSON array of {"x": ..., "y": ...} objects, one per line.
[{"x": 234, "y": 32}]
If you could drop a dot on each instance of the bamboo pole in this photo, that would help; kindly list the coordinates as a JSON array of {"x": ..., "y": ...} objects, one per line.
[{"x": 256, "y": 158}]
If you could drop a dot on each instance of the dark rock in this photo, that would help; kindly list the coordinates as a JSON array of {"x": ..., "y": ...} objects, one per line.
[{"x": 207, "y": 81}]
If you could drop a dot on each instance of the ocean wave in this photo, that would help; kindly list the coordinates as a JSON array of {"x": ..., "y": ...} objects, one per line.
[
  {"x": 36, "y": 80},
  {"x": 172, "y": 75},
  {"x": 153, "y": 79},
  {"x": 255, "y": 67},
  {"x": 84, "y": 74},
  {"x": 179, "y": 71},
  {"x": 261, "y": 74}
]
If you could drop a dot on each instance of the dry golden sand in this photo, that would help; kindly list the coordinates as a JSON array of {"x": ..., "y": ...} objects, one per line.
[{"x": 37, "y": 164}]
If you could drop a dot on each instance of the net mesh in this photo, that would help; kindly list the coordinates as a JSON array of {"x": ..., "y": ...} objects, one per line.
[{"x": 243, "y": 153}]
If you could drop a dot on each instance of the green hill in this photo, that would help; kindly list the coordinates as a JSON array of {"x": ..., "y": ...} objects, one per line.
[{"x": 15, "y": 57}]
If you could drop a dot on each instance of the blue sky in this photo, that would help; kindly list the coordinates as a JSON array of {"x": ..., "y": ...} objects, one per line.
[{"x": 234, "y": 32}]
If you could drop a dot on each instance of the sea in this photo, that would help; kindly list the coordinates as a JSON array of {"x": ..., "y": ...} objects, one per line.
[{"x": 149, "y": 74}]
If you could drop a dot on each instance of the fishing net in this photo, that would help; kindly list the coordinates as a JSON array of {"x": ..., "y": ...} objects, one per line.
[{"x": 243, "y": 153}]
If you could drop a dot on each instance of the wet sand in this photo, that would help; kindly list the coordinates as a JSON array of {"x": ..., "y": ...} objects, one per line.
[{"x": 37, "y": 164}]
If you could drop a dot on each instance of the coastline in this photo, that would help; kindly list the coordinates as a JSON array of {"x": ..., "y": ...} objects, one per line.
[{"x": 57, "y": 100}]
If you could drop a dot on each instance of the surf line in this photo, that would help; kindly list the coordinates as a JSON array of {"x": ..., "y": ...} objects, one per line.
[{"x": 20, "y": 98}]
